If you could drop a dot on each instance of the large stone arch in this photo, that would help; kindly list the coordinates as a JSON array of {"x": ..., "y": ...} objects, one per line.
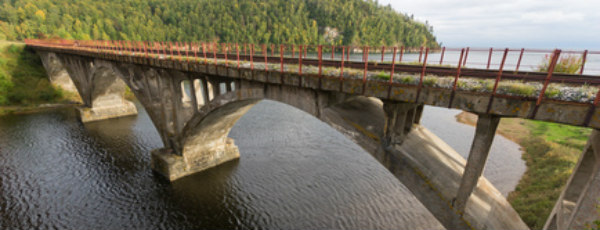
[{"x": 203, "y": 141}]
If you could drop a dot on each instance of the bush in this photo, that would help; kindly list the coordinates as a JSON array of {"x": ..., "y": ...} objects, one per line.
[
  {"x": 23, "y": 79},
  {"x": 567, "y": 64}
]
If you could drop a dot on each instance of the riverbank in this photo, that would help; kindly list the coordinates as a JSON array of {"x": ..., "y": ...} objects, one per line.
[
  {"x": 28, "y": 109},
  {"x": 24, "y": 84},
  {"x": 550, "y": 151}
]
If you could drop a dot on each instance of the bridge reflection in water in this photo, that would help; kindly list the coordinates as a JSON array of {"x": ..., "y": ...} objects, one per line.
[{"x": 194, "y": 127}]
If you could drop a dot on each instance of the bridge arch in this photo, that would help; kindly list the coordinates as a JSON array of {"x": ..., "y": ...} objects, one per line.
[
  {"x": 202, "y": 141},
  {"x": 100, "y": 87},
  {"x": 107, "y": 88}
]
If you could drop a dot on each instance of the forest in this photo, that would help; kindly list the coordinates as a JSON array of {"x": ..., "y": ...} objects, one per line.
[{"x": 339, "y": 22}]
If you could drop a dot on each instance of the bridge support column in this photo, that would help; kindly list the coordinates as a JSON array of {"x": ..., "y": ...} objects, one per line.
[
  {"x": 399, "y": 120},
  {"x": 56, "y": 71},
  {"x": 195, "y": 159},
  {"x": 578, "y": 205},
  {"x": 107, "y": 100},
  {"x": 484, "y": 135}
]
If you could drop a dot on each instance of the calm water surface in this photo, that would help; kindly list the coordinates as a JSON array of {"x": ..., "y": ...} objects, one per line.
[
  {"x": 294, "y": 173},
  {"x": 504, "y": 166}
]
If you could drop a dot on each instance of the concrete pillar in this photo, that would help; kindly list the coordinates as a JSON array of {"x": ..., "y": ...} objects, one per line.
[
  {"x": 398, "y": 117},
  {"x": 419, "y": 114},
  {"x": 207, "y": 89},
  {"x": 410, "y": 119},
  {"x": 577, "y": 207},
  {"x": 57, "y": 73},
  {"x": 228, "y": 86},
  {"x": 199, "y": 92},
  {"x": 484, "y": 135},
  {"x": 193, "y": 95},
  {"x": 216, "y": 88},
  {"x": 107, "y": 95}
]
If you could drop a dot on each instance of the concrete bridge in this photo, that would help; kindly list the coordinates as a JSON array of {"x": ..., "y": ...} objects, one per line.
[{"x": 194, "y": 97}]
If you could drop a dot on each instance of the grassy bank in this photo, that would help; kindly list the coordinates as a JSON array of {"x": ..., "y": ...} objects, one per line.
[
  {"x": 23, "y": 80},
  {"x": 550, "y": 152}
]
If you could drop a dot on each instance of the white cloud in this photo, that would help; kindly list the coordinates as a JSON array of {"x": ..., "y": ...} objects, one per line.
[
  {"x": 552, "y": 17},
  {"x": 512, "y": 23}
]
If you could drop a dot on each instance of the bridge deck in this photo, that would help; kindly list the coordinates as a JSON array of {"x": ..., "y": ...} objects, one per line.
[{"x": 531, "y": 95}]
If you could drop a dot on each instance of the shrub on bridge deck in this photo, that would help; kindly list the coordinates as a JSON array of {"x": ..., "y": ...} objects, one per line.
[{"x": 567, "y": 64}]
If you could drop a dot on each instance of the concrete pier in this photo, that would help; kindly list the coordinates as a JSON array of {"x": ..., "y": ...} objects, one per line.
[
  {"x": 98, "y": 84},
  {"x": 57, "y": 74},
  {"x": 484, "y": 135}
]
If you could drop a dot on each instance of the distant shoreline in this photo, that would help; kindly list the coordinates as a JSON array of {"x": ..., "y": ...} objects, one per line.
[{"x": 29, "y": 109}]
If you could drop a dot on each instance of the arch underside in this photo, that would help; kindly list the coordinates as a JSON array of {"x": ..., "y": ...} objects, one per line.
[
  {"x": 195, "y": 133},
  {"x": 100, "y": 87}
]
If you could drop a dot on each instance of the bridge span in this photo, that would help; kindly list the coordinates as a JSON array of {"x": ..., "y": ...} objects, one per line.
[{"x": 195, "y": 92}]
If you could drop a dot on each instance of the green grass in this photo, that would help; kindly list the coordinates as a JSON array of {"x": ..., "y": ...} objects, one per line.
[
  {"x": 23, "y": 80},
  {"x": 570, "y": 136},
  {"x": 382, "y": 76},
  {"x": 519, "y": 89},
  {"x": 566, "y": 64},
  {"x": 551, "y": 153}
]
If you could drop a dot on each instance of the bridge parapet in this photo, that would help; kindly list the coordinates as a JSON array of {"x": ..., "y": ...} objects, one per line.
[{"x": 311, "y": 73}]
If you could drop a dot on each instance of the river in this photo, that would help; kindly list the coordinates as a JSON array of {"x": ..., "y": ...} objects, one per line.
[{"x": 295, "y": 172}]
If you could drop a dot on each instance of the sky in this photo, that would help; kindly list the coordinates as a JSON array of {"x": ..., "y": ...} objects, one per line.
[{"x": 565, "y": 24}]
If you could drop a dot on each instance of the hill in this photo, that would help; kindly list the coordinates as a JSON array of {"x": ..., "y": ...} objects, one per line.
[{"x": 340, "y": 22}]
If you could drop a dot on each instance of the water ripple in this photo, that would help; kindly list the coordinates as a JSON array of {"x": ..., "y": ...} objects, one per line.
[{"x": 295, "y": 172}]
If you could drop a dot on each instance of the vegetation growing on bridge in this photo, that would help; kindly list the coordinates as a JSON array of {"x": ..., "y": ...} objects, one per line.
[
  {"x": 23, "y": 79},
  {"x": 556, "y": 91},
  {"x": 566, "y": 64},
  {"x": 340, "y": 22}
]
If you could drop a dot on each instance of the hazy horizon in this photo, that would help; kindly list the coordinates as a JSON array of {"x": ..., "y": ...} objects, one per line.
[{"x": 510, "y": 23}]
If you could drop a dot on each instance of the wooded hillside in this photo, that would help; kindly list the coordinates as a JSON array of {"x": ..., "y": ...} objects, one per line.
[{"x": 341, "y": 22}]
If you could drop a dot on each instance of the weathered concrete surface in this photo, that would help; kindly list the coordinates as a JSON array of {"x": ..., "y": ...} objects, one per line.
[
  {"x": 56, "y": 71},
  {"x": 399, "y": 120},
  {"x": 577, "y": 206},
  {"x": 364, "y": 121},
  {"x": 442, "y": 168},
  {"x": 484, "y": 135},
  {"x": 98, "y": 84},
  {"x": 425, "y": 164},
  {"x": 554, "y": 111},
  {"x": 119, "y": 109}
]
